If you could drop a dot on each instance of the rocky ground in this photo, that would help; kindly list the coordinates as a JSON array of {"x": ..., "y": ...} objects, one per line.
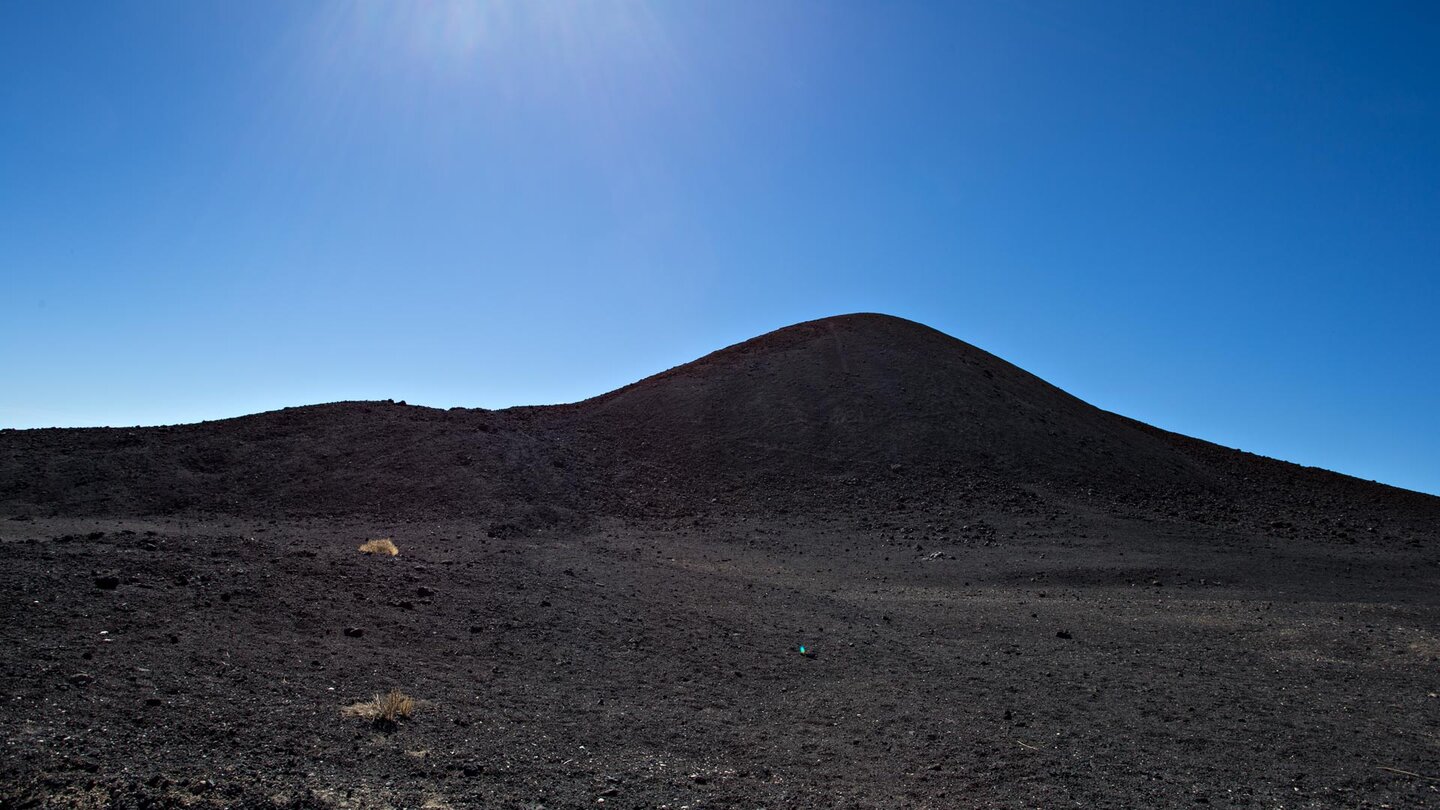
[{"x": 1020, "y": 659}]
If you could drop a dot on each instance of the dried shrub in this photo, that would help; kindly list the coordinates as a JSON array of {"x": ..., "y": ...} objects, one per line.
[
  {"x": 381, "y": 546},
  {"x": 385, "y": 711}
]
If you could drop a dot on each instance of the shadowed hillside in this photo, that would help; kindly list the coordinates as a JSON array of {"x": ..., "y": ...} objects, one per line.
[
  {"x": 852, "y": 410},
  {"x": 348, "y": 457},
  {"x": 859, "y": 394}
]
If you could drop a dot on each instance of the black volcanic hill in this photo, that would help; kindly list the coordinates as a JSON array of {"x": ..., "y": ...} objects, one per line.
[
  {"x": 340, "y": 458},
  {"x": 863, "y": 393},
  {"x": 851, "y": 410}
]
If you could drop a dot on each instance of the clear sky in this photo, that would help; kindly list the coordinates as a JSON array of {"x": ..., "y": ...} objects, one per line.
[{"x": 1222, "y": 218}]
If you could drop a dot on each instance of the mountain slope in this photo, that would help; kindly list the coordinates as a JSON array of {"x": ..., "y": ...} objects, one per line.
[
  {"x": 856, "y": 410},
  {"x": 349, "y": 457},
  {"x": 861, "y": 393}
]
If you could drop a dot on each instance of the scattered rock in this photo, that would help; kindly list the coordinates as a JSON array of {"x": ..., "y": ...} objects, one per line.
[{"x": 503, "y": 531}]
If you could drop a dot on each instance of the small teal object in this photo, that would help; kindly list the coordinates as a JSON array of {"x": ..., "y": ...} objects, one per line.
[{"x": 805, "y": 651}]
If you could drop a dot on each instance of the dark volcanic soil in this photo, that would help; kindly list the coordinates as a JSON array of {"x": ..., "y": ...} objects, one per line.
[{"x": 1013, "y": 599}]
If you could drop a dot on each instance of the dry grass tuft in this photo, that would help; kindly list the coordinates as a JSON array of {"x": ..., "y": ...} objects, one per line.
[
  {"x": 383, "y": 710},
  {"x": 381, "y": 546}
]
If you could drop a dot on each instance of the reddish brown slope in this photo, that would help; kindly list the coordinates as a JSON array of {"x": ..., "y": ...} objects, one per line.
[
  {"x": 341, "y": 458},
  {"x": 852, "y": 410},
  {"x": 857, "y": 394}
]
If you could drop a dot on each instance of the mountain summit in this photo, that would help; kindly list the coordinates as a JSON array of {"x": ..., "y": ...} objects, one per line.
[{"x": 855, "y": 393}]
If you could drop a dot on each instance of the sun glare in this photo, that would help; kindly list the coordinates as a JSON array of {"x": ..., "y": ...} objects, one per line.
[{"x": 459, "y": 39}]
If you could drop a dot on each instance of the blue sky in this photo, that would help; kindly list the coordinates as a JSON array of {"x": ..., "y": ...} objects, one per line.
[{"x": 1219, "y": 218}]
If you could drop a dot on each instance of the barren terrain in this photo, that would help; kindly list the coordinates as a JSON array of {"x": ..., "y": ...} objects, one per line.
[{"x": 1007, "y": 598}]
